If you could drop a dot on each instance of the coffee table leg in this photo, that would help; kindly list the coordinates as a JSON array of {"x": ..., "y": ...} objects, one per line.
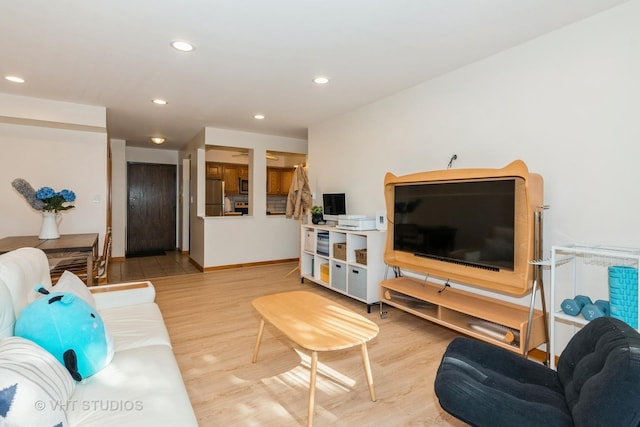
[
  {"x": 367, "y": 371},
  {"x": 312, "y": 387},
  {"x": 257, "y": 347}
]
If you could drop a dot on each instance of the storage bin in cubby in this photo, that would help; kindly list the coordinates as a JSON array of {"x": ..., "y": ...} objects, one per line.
[
  {"x": 340, "y": 251},
  {"x": 357, "y": 279},
  {"x": 339, "y": 276}
]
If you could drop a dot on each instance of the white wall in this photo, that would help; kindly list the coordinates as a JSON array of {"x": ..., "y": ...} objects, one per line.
[
  {"x": 54, "y": 144},
  {"x": 222, "y": 241},
  {"x": 565, "y": 103},
  {"x": 118, "y": 197}
]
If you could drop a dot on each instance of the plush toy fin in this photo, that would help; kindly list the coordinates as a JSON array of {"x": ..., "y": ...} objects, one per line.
[
  {"x": 55, "y": 299},
  {"x": 65, "y": 299},
  {"x": 68, "y": 298},
  {"x": 71, "y": 363},
  {"x": 41, "y": 289}
]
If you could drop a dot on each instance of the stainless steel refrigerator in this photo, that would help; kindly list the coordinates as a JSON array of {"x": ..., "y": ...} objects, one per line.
[{"x": 214, "y": 197}]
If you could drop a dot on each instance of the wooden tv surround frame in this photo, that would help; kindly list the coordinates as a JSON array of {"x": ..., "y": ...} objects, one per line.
[{"x": 490, "y": 319}]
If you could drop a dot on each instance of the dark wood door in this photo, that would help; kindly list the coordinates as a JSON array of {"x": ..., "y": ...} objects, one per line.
[{"x": 151, "y": 211}]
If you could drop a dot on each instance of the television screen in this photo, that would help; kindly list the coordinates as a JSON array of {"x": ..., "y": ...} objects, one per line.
[
  {"x": 333, "y": 204},
  {"x": 469, "y": 223}
]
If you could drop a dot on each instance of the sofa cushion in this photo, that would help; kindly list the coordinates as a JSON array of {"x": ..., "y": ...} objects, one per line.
[
  {"x": 133, "y": 326},
  {"x": 34, "y": 386},
  {"x": 141, "y": 387},
  {"x": 71, "y": 283},
  {"x": 21, "y": 270},
  {"x": 7, "y": 316}
]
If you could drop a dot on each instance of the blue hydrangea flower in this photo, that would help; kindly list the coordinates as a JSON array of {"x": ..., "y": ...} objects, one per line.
[
  {"x": 45, "y": 193},
  {"x": 68, "y": 195}
]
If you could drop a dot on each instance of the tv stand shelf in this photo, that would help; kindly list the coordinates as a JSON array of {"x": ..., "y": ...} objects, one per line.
[{"x": 498, "y": 322}]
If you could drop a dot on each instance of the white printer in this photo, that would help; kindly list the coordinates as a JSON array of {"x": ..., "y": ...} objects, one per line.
[{"x": 356, "y": 222}]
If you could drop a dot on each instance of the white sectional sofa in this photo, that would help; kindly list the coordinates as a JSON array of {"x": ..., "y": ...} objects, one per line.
[{"x": 141, "y": 386}]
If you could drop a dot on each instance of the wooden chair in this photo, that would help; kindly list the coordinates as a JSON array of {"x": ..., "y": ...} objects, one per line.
[{"x": 77, "y": 264}]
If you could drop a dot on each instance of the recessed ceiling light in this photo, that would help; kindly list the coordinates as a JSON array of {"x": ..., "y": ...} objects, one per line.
[
  {"x": 15, "y": 79},
  {"x": 182, "y": 46},
  {"x": 157, "y": 140},
  {"x": 159, "y": 101},
  {"x": 321, "y": 80},
  {"x": 259, "y": 117}
]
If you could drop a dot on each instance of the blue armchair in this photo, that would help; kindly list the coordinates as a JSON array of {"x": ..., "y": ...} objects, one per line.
[{"x": 597, "y": 382}]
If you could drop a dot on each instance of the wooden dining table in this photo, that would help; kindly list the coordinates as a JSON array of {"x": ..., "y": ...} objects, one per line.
[{"x": 66, "y": 247}]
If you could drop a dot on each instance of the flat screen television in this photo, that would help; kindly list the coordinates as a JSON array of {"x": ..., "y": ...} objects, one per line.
[
  {"x": 472, "y": 226},
  {"x": 333, "y": 204},
  {"x": 470, "y": 223}
]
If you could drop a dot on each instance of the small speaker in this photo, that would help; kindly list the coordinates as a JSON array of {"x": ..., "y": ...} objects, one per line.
[{"x": 381, "y": 220}]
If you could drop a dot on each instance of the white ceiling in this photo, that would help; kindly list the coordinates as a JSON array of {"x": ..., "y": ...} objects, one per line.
[{"x": 252, "y": 56}]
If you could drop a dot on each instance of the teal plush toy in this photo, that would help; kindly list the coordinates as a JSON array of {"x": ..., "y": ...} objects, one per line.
[{"x": 70, "y": 329}]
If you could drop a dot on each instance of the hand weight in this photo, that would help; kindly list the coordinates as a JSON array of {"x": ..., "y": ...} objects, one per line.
[
  {"x": 592, "y": 311},
  {"x": 574, "y": 306}
]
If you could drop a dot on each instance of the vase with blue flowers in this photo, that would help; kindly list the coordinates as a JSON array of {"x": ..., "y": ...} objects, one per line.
[{"x": 50, "y": 202}]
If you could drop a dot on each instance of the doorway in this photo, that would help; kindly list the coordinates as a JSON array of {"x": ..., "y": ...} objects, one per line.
[{"x": 151, "y": 209}]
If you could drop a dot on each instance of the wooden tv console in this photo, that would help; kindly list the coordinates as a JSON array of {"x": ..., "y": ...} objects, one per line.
[
  {"x": 496, "y": 321},
  {"x": 511, "y": 326}
]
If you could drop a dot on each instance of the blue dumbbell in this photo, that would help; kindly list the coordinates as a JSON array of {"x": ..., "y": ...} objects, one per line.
[
  {"x": 592, "y": 311},
  {"x": 574, "y": 306},
  {"x": 604, "y": 306}
]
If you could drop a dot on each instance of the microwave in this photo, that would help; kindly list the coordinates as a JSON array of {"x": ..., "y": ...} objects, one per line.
[{"x": 243, "y": 186}]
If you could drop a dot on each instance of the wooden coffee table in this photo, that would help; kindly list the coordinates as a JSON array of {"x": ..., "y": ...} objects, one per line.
[{"x": 317, "y": 324}]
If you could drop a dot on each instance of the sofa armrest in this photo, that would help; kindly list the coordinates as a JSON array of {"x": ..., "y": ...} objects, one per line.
[{"x": 121, "y": 294}]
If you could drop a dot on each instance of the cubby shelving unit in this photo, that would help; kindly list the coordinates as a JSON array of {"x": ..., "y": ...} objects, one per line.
[{"x": 346, "y": 276}]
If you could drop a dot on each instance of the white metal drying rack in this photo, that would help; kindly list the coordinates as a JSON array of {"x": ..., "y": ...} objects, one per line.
[{"x": 599, "y": 255}]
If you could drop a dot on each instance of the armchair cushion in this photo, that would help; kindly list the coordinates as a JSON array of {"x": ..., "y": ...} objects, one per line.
[
  {"x": 600, "y": 374},
  {"x": 597, "y": 381},
  {"x": 485, "y": 385}
]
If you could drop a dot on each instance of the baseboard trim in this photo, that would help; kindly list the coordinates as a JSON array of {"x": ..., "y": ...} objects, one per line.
[{"x": 245, "y": 264}]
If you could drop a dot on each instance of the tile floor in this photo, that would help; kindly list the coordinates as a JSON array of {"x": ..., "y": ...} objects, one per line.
[{"x": 171, "y": 264}]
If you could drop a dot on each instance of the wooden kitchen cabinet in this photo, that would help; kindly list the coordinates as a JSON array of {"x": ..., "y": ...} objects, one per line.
[
  {"x": 214, "y": 170},
  {"x": 230, "y": 175},
  {"x": 286, "y": 175},
  {"x": 243, "y": 171},
  {"x": 273, "y": 181},
  {"x": 279, "y": 181}
]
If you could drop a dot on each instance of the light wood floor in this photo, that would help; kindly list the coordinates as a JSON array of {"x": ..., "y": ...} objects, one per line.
[{"x": 213, "y": 329}]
